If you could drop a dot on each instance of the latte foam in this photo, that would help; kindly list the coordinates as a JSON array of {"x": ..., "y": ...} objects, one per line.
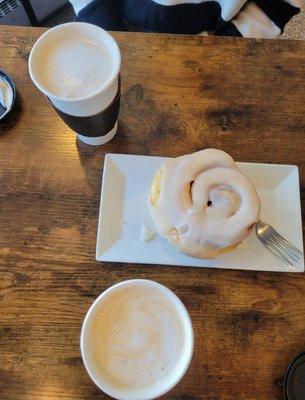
[
  {"x": 74, "y": 67},
  {"x": 136, "y": 340}
]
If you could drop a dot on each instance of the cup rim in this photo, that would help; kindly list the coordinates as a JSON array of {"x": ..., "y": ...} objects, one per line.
[
  {"x": 114, "y": 72},
  {"x": 188, "y": 327}
]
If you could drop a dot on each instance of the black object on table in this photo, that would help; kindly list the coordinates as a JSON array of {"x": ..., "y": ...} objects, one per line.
[
  {"x": 294, "y": 382},
  {"x": 5, "y": 108}
]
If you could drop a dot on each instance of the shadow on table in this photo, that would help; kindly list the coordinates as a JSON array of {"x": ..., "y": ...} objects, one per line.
[{"x": 92, "y": 157}]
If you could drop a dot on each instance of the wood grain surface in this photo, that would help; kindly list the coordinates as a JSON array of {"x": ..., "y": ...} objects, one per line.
[{"x": 179, "y": 94}]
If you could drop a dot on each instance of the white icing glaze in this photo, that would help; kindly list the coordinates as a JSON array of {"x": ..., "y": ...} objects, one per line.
[{"x": 202, "y": 203}]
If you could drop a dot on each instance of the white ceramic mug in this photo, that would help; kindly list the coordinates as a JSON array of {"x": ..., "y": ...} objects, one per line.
[
  {"x": 137, "y": 318},
  {"x": 61, "y": 43}
]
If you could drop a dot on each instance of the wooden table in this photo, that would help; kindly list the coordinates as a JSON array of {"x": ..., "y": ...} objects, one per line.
[{"x": 180, "y": 94}]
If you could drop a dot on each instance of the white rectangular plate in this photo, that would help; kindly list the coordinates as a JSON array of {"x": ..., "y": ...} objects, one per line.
[{"x": 123, "y": 211}]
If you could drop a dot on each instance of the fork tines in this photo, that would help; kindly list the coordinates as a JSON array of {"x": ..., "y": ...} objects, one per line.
[{"x": 282, "y": 247}]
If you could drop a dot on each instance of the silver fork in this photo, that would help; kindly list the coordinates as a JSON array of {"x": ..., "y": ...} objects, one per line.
[{"x": 277, "y": 244}]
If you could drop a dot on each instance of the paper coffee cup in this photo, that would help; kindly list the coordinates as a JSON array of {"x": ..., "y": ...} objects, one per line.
[
  {"x": 76, "y": 65},
  {"x": 137, "y": 340}
]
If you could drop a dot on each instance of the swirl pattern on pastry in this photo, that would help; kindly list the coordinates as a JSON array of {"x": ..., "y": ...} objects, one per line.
[{"x": 202, "y": 203}]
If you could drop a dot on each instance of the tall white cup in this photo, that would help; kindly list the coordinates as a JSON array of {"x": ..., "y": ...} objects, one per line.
[{"x": 76, "y": 65}]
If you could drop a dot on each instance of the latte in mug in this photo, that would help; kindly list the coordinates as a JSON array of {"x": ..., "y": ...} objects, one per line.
[{"x": 137, "y": 340}]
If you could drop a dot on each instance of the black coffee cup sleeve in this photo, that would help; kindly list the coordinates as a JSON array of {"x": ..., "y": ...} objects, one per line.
[{"x": 93, "y": 125}]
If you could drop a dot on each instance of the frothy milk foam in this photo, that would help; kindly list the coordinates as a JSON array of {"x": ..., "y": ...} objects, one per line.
[
  {"x": 135, "y": 339},
  {"x": 74, "y": 66}
]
